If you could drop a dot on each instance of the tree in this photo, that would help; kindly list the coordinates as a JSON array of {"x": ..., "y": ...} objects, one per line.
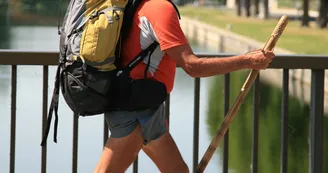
[
  {"x": 238, "y": 7},
  {"x": 305, "y": 18},
  {"x": 4, "y": 26},
  {"x": 248, "y": 8},
  {"x": 322, "y": 20},
  {"x": 256, "y": 7},
  {"x": 29, "y": 5},
  {"x": 266, "y": 9}
]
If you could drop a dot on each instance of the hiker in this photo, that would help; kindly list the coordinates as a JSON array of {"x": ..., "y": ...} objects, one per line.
[{"x": 132, "y": 131}]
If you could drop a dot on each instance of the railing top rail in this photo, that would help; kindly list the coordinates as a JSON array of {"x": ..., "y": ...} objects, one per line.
[
  {"x": 288, "y": 61},
  {"x": 22, "y": 57}
]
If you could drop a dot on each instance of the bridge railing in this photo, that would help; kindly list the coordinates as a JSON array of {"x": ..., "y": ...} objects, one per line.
[{"x": 316, "y": 63}]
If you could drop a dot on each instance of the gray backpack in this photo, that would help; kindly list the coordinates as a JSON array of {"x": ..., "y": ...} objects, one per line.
[{"x": 88, "y": 74}]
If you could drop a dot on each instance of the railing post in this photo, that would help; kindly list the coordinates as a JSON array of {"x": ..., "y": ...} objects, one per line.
[
  {"x": 284, "y": 121},
  {"x": 13, "y": 118},
  {"x": 255, "y": 135},
  {"x": 316, "y": 121},
  {"x": 187, "y": 29},
  {"x": 196, "y": 123},
  {"x": 135, "y": 165},
  {"x": 249, "y": 48},
  {"x": 105, "y": 137},
  {"x": 225, "y": 165},
  {"x": 44, "y": 116},
  {"x": 167, "y": 112},
  {"x": 205, "y": 32},
  {"x": 195, "y": 34},
  {"x": 221, "y": 43},
  {"x": 75, "y": 142}
]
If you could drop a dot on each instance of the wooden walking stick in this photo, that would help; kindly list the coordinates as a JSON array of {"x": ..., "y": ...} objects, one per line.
[{"x": 270, "y": 44}]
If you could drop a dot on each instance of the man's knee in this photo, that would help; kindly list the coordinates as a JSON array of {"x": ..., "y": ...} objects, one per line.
[
  {"x": 119, "y": 153},
  {"x": 165, "y": 153}
]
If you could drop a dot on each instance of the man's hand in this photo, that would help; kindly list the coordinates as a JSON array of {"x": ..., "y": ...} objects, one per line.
[{"x": 259, "y": 59}]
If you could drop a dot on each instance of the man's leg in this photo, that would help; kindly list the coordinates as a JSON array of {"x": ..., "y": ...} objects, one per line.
[
  {"x": 119, "y": 153},
  {"x": 165, "y": 154}
]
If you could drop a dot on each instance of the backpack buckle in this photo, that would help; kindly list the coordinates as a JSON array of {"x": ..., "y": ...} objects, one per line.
[{"x": 94, "y": 15}]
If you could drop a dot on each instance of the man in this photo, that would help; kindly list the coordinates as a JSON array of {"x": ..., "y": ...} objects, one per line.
[{"x": 156, "y": 20}]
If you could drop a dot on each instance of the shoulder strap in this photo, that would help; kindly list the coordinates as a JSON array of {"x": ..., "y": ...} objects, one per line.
[{"x": 140, "y": 57}]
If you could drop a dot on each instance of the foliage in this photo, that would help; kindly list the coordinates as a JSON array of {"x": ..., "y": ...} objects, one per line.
[
  {"x": 240, "y": 131},
  {"x": 4, "y": 27},
  {"x": 44, "y": 7}
]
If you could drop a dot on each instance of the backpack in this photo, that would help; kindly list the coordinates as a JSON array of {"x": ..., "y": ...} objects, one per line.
[{"x": 88, "y": 73}]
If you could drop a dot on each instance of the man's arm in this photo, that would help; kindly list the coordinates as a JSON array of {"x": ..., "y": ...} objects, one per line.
[{"x": 204, "y": 67}]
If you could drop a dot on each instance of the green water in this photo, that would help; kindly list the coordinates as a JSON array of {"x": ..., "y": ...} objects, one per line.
[{"x": 240, "y": 130}]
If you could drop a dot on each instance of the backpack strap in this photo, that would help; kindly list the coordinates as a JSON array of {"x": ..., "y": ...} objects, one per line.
[
  {"x": 140, "y": 57},
  {"x": 53, "y": 107},
  {"x": 148, "y": 63}
]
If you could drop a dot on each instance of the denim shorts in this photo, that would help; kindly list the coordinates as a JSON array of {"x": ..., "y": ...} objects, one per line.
[{"x": 122, "y": 123}]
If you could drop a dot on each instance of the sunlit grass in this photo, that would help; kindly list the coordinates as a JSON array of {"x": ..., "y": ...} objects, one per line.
[{"x": 295, "y": 38}]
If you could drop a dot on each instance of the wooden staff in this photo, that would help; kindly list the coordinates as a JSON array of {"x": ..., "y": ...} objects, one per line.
[{"x": 270, "y": 44}]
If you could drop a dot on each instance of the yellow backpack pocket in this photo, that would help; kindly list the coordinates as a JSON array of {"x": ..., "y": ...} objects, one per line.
[{"x": 100, "y": 36}]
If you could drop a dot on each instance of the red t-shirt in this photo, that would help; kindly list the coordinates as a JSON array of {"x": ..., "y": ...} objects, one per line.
[{"x": 155, "y": 20}]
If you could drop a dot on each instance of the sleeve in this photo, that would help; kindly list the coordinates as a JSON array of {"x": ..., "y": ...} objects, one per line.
[{"x": 166, "y": 26}]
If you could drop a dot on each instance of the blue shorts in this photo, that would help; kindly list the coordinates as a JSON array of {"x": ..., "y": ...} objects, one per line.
[{"x": 122, "y": 123}]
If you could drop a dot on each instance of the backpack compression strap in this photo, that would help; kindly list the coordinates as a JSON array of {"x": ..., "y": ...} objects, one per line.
[
  {"x": 83, "y": 20},
  {"x": 53, "y": 106}
]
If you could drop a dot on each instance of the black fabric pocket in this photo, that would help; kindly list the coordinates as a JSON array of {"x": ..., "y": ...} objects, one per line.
[
  {"x": 148, "y": 94},
  {"x": 140, "y": 94},
  {"x": 86, "y": 92}
]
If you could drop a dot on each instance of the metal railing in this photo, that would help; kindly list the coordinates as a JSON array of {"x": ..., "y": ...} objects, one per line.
[{"x": 316, "y": 63}]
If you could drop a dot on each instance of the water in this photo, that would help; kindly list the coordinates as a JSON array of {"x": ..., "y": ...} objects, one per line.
[{"x": 29, "y": 115}]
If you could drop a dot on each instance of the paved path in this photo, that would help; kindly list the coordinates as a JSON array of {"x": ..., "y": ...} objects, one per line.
[{"x": 292, "y": 13}]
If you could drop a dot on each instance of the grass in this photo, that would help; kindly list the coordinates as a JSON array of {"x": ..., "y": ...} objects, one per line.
[
  {"x": 298, "y": 39},
  {"x": 292, "y": 4}
]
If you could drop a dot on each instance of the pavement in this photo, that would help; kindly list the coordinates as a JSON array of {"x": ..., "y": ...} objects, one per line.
[{"x": 292, "y": 14}]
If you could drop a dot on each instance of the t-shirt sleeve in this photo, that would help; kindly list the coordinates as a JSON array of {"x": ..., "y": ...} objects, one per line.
[{"x": 166, "y": 26}]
